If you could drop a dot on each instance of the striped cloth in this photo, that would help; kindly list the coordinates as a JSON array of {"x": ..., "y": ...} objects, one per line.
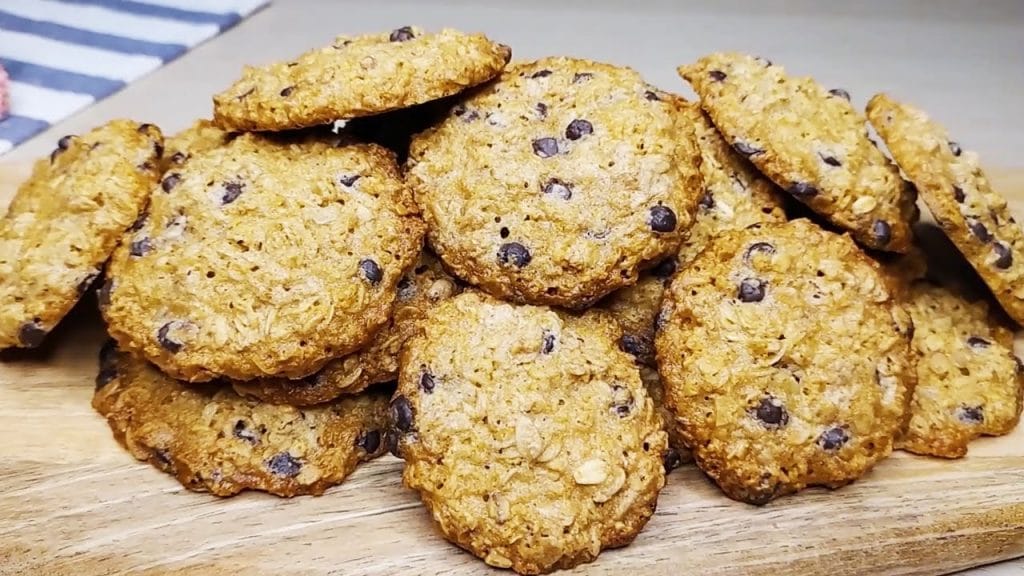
[{"x": 63, "y": 55}]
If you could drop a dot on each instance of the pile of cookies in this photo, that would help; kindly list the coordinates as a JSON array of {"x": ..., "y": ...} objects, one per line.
[{"x": 579, "y": 282}]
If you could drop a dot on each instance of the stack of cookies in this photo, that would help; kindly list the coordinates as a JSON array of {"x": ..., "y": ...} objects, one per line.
[{"x": 578, "y": 281}]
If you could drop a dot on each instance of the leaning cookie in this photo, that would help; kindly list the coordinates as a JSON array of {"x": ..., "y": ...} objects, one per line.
[
  {"x": 960, "y": 197},
  {"x": 358, "y": 76},
  {"x": 635, "y": 308},
  {"x": 422, "y": 288},
  {"x": 527, "y": 433},
  {"x": 65, "y": 221},
  {"x": 810, "y": 141},
  {"x": 200, "y": 137},
  {"x": 558, "y": 183},
  {"x": 267, "y": 256},
  {"x": 785, "y": 360},
  {"x": 213, "y": 440},
  {"x": 678, "y": 453}
]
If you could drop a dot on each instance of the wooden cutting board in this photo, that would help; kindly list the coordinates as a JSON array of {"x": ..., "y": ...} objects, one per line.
[{"x": 73, "y": 502}]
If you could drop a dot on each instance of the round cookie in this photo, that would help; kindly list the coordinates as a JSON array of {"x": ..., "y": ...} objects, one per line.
[
  {"x": 213, "y": 440},
  {"x": 358, "y": 76},
  {"x": 969, "y": 382},
  {"x": 735, "y": 194},
  {"x": 527, "y": 433},
  {"x": 557, "y": 183},
  {"x": 419, "y": 290},
  {"x": 954, "y": 187},
  {"x": 65, "y": 221},
  {"x": 810, "y": 141},
  {"x": 264, "y": 257},
  {"x": 785, "y": 360},
  {"x": 198, "y": 138}
]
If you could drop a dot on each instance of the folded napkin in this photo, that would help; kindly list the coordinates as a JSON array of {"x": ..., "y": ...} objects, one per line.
[{"x": 63, "y": 55}]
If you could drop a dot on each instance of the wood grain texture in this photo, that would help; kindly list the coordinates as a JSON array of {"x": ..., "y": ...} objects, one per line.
[{"x": 73, "y": 502}]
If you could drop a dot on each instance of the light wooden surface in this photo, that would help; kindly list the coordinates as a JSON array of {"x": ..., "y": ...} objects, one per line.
[{"x": 73, "y": 502}]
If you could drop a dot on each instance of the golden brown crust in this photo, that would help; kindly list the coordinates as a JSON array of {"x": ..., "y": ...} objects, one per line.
[
  {"x": 200, "y": 137},
  {"x": 528, "y": 434},
  {"x": 358, "y": 76},
  {"x": 66, "y": 219},
  {"x": 265, "y": 257}
]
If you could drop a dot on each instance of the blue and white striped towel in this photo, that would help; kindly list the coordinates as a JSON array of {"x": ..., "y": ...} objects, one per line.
[{"x": 63, "y": 55}]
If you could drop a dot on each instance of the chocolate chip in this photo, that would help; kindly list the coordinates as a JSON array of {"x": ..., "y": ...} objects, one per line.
[
  {"x": 751, "y": 290},
  {"x": 514, "y": 253},
  {"x": 141, "y": 247},
  {"x": 1003, "y": 256},
  {"x": 178, "y": 158},
  {"x": 406, "y": 289},
  {"x": 401, "y": 413},
  {"x": 581, "y": 77},
  {"x": 243, "y": 432},
  {"x": 978, "y": 342},
  {"x": 954, "y": 147},
  {"x": 578, "y": 129},
  {"x": 979, "y": 231},
  {"x": 747, "y": 149},
  {"x": 402, "y": 34},
  {"x": 833, "y": 438},
  {"x": 558, "y": 189},
  {"x": 635, "y": 345},
  {"x": 771, "y": 413},
  {"x": 31, "y": 334},
  {"x": 370, "y": 271},
  {"x": 166, "y": 342},
  {"x": 958, "y": 194},
  {"x": 830, "y": 160},
  {"x": 547, "y": 344},
  {"x": 665, "y": 268},
  {"x": 284, "y": 465},
  {"x": 662, "y": 219},
  {"x": 541, "y": 74},
  {"x": 717, "y": 75},
  {"x": 622, "y": 401},
  {"x": 232, "y": 190},
  {"x": 545, "y": 147},
  {"x": 65, "y": 142},
  {"x": 758, "y": 248},
  {"x": 707, "y": 201},
  {"x": 882, "y": 232},
  {"x": 348, "y": 180},
  {"x": 672, "y": 460},
  {"x": 427, "y": 382},
  {"x": 287, "y": 91},
  {"x": 839, "y": 92},
  {"x": 170, "y": 181},
  {"x": 970, "y": 414},
  {"x": 103, "y": 295},
  {"x": 803, "y": 190},
  {"x": 369, "y": 441},
  {"x": 86, "y": 282},
  {"x": 108, "y": 363},
  {"x": 652, "y": 96}
]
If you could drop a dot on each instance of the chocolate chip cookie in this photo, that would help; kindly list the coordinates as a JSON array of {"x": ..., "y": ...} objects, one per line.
[
  {"x": 558, "y": 183},
  {"x": 735, "y": 194},
  {"x": 65, "y": 221},
  {"x": 200, "y": 137},
  {"x": 635, "y": 308},
  {"x": 422, "y": 288},
  {"x": 810, "y": 141},
  {"x": 213, "y": 440},
  {"x": 969, "y": 383},
  {"x": 267, "y": 256},
  {"x": 785, "y": 359},
  {"x": 527, "y": 433},
  {"x": 960, "y": 197},
  {"x": 358, "y": 76}
]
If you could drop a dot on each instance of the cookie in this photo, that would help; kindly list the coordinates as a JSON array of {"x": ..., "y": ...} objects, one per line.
[
  {"x": 213, "y": 440},
  {"x": 198, "y": 138},
  {"x": 635, "y": 307},
  {"x": 785, "y": 360},
  {"x": 263, "y": 257},
  {"x": 358, "y": 76},
  {"x": 527, "y": 433},
  {"x": 65, "y": 221},
  {"x": 960, "y": 197},
  {"x": 677, "y": 454},
  {"x": 422, "y": 288},
  {"x": 558, "y": 183},
  {"x": 735, "y": 194},
  {"x": 810, "y": 141}
]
